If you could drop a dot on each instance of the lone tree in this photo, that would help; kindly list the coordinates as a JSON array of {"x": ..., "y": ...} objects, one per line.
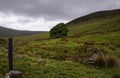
[{"x": 60, "y": 30}]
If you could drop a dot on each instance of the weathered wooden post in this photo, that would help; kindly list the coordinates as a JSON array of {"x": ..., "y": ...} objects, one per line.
[
  {"x": 12, "y": 73},
  {"x": 10, "y": 58}
]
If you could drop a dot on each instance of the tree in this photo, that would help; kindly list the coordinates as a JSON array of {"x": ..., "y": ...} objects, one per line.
[{"x": 60, "y": 30}]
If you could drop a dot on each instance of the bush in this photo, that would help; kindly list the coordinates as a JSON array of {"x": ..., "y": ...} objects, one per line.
[
  {"x": 60, "y": 30},
  {"x": 106, "y": 61},
  {"x": 112, "y": 47},
  {"x": 103, "y": 50},
  {"x": 116, "y": 76},
  {"x": 100, "y": 61},
  {"x": 112, "y": 61}
]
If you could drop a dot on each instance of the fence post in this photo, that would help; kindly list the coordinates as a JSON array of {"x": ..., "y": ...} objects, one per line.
[
  {"x": 12, "y": 73},
  {"x": 10, "y": 54}
]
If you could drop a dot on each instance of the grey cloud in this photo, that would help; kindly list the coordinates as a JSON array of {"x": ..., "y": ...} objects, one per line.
[
  {"x": 56, "y": 9},
  {"x": 24, "y": 21}
]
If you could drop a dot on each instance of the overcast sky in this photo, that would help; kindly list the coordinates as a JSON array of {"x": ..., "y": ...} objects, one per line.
[{"x": 41, "y": 15}]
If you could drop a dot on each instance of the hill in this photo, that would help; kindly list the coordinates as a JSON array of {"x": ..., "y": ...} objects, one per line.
[
  {"x": 11, "y": 32},
  {"x": 95, "y": 15}
]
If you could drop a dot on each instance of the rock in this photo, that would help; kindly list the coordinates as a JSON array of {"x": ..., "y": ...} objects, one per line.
[
  {"x": 92, "y": 59},
  {"x": 40, "y": 60},
  {"x": 6, "y": 55},
  {"x": 5, "y": 50},
  {"x": 18, "y": 56},
  {"x": 14, "y": 74}
]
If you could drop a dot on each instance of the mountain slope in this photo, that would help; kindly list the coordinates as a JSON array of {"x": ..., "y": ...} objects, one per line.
[
  {"x": 95, "y": 15},
  {"x": 11, "y": 32},
  {"x": 96, "y": 22}
]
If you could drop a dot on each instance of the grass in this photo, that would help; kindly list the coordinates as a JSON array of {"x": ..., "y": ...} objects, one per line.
[
  {"x": 62, "y": 69},
  {"x": 48, "y": 68}
]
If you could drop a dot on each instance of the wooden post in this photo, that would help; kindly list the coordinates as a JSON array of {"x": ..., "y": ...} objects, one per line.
[
  {"x": 10, "y": 54},
  {"x": 12, "y": 73}
]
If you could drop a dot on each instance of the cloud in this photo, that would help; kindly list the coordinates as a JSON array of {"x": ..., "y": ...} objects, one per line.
[
  {"x": 25, "y": 13},
  {"x": 56, "y": 9},
  {"x": 27, "y": 23}
]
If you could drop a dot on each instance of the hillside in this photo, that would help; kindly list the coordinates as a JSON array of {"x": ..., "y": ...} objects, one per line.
[
  {"x": 94, "y": 16},
  {"x": 38, "y": 56},
  {"x": 11, "y": 32}
]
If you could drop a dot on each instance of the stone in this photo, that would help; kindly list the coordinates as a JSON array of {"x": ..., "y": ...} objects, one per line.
[
  {"x": 5, "y": 50},
  {"x": 40, "y": 60},
  {"x": 19, "y": 56},
  {"x": 14, "y": 74}
]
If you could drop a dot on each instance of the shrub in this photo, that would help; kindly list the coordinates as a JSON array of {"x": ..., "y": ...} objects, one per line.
[
  {"x": 116, "y": 76},
  {"x": 60, "y": 30},
  {"x": 100, "y": 61},
  {"x": 112, "y": 61},
  {"x": 103, "y": 50},
  {"x": 106, "y": 61},
  {"x": 112, "y": 47}
]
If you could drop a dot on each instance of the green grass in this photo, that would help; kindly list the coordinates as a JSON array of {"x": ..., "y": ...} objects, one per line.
[
  {"x": 99, "y": 25},
  {"x": 47, "y": 68},
  {"x": 62, "y": 69}
]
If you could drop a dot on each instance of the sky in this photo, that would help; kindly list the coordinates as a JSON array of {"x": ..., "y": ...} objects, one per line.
[{"x": 42, "y": 15}]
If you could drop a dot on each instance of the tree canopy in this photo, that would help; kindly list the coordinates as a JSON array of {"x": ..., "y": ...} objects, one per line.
[{"x": 58, "y": 31}]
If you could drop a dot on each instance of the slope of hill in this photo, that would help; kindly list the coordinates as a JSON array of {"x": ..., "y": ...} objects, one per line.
[
  {"x": 94, "y": 16},
  {"x": 11, "y": 32},
  {"x": 67, "y": 57}
]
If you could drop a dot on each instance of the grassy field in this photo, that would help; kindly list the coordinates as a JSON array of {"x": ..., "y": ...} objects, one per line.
[{"x": 37, "y": 56}]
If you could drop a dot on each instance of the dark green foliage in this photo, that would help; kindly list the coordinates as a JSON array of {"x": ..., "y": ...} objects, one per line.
[
  {"x": 116, "y": 76},
  {"x": 60, "y": 30}
]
